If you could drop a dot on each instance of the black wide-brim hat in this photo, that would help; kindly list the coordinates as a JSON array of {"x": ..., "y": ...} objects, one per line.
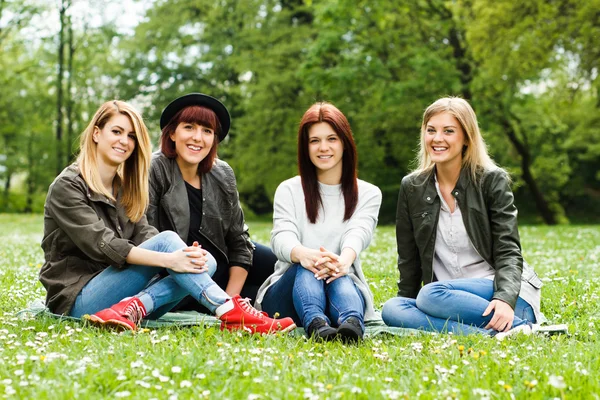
[{"x": 198, "y": 99}]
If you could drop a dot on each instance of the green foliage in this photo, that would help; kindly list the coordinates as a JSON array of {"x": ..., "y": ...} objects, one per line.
[
  {"x": 48, "y": 358},
  {"x": 530, "y": 70}
]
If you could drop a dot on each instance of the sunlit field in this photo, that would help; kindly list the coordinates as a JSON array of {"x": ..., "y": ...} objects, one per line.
[{"x": 48, "y": 358}]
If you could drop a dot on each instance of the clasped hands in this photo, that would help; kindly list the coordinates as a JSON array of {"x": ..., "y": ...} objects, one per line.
[
  {"x": 192, "y": 259},
  {"x": 325, "y": 264}
]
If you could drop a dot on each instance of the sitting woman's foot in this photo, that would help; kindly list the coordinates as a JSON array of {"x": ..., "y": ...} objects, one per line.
[
  {"x": 238, "y": 314},
  {"x": 528, "y": 329},
  {"x": 559, "y": 329},
  {"x": 319, "y": 329},
  {"x": 350, "y": 331},
  {"x": 126, "y": 314}
]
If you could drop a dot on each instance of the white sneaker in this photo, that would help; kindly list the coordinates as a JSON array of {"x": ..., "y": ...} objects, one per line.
[
  {"x": 523, "y": 329},
  {"x": 559, "y": 329}
]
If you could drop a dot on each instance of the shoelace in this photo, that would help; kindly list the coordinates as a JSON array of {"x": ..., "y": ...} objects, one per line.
[
  {"x": 245, "y": 304},
  {"x": 134, "y": 312}
]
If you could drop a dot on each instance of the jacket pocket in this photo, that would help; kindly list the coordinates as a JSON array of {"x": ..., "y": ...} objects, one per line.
[{"x": 422, "y": 225}]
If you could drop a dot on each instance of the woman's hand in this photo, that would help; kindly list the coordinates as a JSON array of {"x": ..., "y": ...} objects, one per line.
[
  {"x": 309, "y": 258},
  {"x": 334, "y": 266},
  {"x": 503, "y": 316},
  {"x": 190, "y": 259}
]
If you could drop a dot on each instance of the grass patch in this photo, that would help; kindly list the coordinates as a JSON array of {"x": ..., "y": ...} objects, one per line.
[{"x": 46, "y": 358}]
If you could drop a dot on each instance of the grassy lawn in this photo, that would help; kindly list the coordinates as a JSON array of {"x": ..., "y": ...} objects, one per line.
[{"x": 46, "y": 358}]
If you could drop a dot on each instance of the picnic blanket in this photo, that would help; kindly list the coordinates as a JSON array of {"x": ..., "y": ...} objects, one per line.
[{"x": 193, "y": 318}]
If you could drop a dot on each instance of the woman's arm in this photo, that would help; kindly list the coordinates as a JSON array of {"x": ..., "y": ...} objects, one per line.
[
  {"x": 359, "y": 229},
  {"x": 285, "y": 235},
  {"x": 187, "y": 260},
  {"x": 409, "y": 263},
  {"x": 154, "y": 186},
  {"x": 143, "y": 231},
  {"x": 506, "y": 248},
  {"x": 506, "y": 251},
  {"x": 239, "y": 247},
  {"x": 237, "y": 279},
  {"x": 68, "y": 204}
]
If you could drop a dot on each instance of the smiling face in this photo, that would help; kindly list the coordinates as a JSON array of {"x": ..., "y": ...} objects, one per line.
[
  {"x": 115, "y": 141},
  {"x": 444, "y": 140},
  {"x": 193, "y": 142},
  {"x": 325, "y": 149}
]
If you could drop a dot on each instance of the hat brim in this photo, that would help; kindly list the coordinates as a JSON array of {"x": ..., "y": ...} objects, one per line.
[{"x": 198, "y": 99}]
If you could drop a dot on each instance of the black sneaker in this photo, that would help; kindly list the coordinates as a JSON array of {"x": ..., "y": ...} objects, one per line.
[
  {"x": 350, "y": 331},
  {"x": 319, "y": 329}
]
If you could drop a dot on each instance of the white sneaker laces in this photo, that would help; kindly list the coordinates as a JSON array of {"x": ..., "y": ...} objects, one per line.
[
  {"x": 134, "y": 312},
  {"x": 246, "y": 306}
]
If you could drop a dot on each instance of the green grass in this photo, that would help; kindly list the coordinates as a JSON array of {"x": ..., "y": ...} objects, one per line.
[{"x": 46, "y": 358}]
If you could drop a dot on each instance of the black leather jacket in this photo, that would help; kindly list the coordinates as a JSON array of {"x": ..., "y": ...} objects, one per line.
[
  {"x": 223, "y": 222},
  {"x": 490, "y": 219}
]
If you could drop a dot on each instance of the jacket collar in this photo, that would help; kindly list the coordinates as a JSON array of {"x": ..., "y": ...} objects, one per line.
[{"x": 431, "y": 193}]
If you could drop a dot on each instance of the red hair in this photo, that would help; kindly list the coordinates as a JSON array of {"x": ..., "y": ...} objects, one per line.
[
  {"x": 192, "y": 115},
  {"x": 328, "y": 113}
]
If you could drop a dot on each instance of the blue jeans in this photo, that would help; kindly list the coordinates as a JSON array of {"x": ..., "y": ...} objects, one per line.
[
  {"x": 297, "y": 294},
  {"x": 158, "y": 295},
  {"x": 451, "y": 306}
]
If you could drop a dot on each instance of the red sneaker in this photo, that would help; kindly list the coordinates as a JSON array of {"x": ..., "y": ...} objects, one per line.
[
  {"x": 125, "y": 314},
  {"x": 237, "y": 313}
]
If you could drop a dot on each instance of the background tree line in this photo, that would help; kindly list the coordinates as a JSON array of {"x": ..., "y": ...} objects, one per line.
[{"x": 530, "y": 69}]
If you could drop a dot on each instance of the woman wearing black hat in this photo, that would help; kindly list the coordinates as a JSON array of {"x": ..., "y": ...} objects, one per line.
[{"x": 194, "y": 193}]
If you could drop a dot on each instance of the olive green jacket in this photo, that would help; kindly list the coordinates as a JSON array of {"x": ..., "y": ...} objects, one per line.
[
  {"x": 490, "y": 219},
  {"x": 84, "y": 233}
]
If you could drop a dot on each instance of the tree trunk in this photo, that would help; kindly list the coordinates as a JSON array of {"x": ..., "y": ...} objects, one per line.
[
  {"x": 462, "y": 61},
  {"x": 71, "y": 52},
  {"x": 59, "y": 89},
  {"x": 6, "y": 192},
  {"x": 31, "y": 178},
  {"x": 542, "y": 205}
]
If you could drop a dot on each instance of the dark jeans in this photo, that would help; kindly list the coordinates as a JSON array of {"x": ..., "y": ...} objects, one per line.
[
  {"x": 297, "y": 294},
  {"x": 263, "y": 266}
]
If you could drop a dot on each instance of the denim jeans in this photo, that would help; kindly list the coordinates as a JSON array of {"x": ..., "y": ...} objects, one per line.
[
  {"x": 451, "y": 306},
  {"x": 297, "y": 294},
  {"x": 113, "y": 284}
]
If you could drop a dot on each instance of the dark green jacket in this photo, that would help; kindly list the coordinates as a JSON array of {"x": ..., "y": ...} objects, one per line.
[
  {"x": 84, "y": 233},
  {"x": 223, "y": 222},
  {"x": 490, "y": 219}
]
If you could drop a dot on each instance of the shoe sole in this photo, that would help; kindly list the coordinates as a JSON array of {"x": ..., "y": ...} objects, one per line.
[
  {"x": 111, "y": 323},
  {"x": 348, "y": 335},
  {"x": 253, "y": 330}
]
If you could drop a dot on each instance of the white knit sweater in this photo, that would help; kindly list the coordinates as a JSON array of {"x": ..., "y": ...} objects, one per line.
[{"x": 291, "y": 228}]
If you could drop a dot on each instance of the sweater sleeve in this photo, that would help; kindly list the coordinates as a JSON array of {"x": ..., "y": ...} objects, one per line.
[
  {"x": 360, "y": 227},
  {"x": 286, "y": 233}
]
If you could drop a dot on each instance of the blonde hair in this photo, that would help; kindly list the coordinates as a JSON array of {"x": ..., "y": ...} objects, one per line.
[
  {"x": 132, "y": 175},
  {"x": 475, "y": 155}
]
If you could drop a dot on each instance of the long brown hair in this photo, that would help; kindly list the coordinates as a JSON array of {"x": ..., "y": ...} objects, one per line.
[
  {"x": 328, "y": 113},
  {"x": 192, "y": 115},
  {"x": 133, "y": 173}
]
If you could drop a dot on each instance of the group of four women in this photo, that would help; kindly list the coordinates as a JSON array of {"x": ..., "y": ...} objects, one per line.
[{"x": 459, "y": 257}]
